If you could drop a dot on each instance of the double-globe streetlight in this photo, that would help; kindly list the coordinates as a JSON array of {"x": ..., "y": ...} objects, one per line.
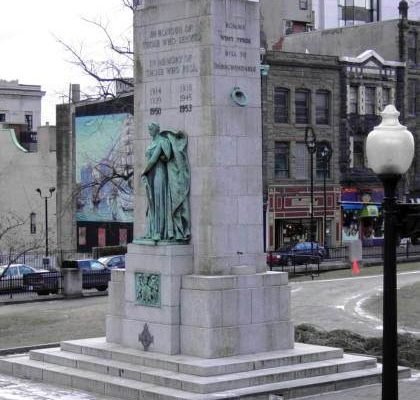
[
  {"x": 51, "y": 190},
  {"x": 325, "y": 153},
  {"x": 390, "y": 151},
  {"x": 310, "y": 141}
]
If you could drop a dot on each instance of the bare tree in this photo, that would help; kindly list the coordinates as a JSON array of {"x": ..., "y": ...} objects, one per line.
[
  {"x": 114, "y": 68},
  {"x": 12, "y": 245}
]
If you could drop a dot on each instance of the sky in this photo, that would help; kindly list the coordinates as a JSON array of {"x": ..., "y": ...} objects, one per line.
[{"x": 31, "y": 53}]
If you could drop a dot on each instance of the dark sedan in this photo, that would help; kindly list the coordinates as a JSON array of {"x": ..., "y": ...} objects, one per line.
[
  {"x": 300, "y": 253},
  {"x": 113, "y": 261},
  {"x": 95, "y": 274},
  {"x": 22, "y": 277}
]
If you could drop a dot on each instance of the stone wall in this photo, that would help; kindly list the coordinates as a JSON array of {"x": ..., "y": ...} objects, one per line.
[{"x": 22, "y": 173}]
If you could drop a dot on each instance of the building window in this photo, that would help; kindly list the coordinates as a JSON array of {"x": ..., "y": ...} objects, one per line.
[
  {"x": 101, "y": 237},
  {"x": 123, "y": 236},
  {"x": 281, "y": 160},
  {"x": 412, "y": 47},
  {"x": 412, "y": 98},
  {"x": 322, "y": 107},
  {"x": 32, "y": 222},
  {"x": 281, "y": 105},
  {"x": 29, "y": 122},
  {"x": 353, "y": 100},
  {"x": 2, "y": 117},
  {"x": 356, "y": 12},
  {"x": 303, "y": 4},
  {"x": 301, "y": 161},
  {"x": 386, "y": 96},
  {"x": 302, "y": 106},
  {"x": 369, "y": 100},
  {"x": 322, "y": 165},
  {"x": 358, "y": 153},
  {"x": 82, "y": 236}
]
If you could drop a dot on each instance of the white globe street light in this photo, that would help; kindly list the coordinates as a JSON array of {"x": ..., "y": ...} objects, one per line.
[
  {"x": 390, "y": 151},
  {"x": 390, "y": 146}
]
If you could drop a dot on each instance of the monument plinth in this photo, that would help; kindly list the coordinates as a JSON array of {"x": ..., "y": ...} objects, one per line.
[{"x": 197, "y": 72}]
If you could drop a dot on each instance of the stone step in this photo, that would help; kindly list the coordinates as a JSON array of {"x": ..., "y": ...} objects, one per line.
[
  {"x": 197, "y": 384},
  {"x": 301, "y": 353},
  {"x": 24, "y": 367}
]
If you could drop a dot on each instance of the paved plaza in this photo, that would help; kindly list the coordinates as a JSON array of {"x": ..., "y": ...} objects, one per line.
[{"x": 329, "y": 304}]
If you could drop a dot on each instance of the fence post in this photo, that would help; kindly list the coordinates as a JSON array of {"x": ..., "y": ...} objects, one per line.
[{"x": 72, "y": 282}]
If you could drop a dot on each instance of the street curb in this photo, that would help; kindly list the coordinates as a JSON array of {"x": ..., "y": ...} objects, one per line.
[
  {"x": 26, "y": 349},
  {"x": 49, "y": 298}
]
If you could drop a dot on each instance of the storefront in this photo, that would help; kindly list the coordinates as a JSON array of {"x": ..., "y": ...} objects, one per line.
[
  {"x": 288, "y": 215},
  {"x": 362, "y": 215}
]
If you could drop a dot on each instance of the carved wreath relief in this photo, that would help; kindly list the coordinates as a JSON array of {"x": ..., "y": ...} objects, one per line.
[{"x": 147, "y": 289}]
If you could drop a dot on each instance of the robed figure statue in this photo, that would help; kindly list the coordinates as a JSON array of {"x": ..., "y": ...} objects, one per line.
[{"x": 166, "y": 177}]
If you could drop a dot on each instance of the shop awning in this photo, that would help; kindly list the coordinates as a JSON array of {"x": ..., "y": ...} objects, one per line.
[
  {"x": 369, "y": 211},
  {"x": 348, "y": 206}
]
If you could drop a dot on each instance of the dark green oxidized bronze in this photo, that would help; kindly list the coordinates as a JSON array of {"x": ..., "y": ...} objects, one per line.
[
  {"x": 166, "y": 177},
  {"x": 147, "y": 289}
]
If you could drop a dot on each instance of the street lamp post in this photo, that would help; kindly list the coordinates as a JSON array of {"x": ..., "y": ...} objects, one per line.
[
  {"x": 326, "y": 153},
  {"x": 46, "y": 197},
  {"x": 390, "y": 151},
  {"x": 310, "y": 141}
]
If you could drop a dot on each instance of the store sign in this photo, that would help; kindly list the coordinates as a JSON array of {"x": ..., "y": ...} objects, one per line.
[
  {"x": 370, "y": 211},
  {"x": 302, "y": 202}
]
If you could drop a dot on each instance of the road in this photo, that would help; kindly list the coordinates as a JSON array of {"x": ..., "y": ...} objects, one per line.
[
  {"x": 338, "y": 303},
  {"x": 327, "y": 304}
]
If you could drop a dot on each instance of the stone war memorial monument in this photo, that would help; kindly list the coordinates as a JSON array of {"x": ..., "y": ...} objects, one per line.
[{"x": 195, "y": 314}]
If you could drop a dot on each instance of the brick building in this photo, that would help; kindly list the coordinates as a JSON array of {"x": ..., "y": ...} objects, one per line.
[{"x": 300, "y": 90}]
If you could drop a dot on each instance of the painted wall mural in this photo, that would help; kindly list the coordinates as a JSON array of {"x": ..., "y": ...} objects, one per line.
[{"x": 104, "y": 168}]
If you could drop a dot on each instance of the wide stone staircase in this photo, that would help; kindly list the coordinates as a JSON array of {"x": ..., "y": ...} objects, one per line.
[{"x": 109, "y": 369}]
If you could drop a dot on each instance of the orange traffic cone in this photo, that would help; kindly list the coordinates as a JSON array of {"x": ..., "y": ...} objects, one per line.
[{"x": 355, "y": 269}]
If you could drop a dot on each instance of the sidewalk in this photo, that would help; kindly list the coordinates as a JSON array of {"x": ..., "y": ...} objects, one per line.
[
  {"x": 14, "y": 388},
  {"x": 409, "y": 389},
  {"x": 23, "y": 389}
]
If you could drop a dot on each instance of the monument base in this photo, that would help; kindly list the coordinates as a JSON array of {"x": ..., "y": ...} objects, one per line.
[
  {"x": 235, "y": 314},
  {"x": 113, "y": 370},
  {"x": 159, "y": 305}
]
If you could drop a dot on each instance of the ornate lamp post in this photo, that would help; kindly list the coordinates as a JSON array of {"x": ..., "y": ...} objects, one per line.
[
  {"x": 46, "y": 197},
  {"x": 325, "y": 154},
  {"x": 310, "y": 141},
  {"x": 390, "y": 151}
]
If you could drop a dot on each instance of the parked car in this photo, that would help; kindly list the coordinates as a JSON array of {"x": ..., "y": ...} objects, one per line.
[
  {"x": 300, "y": 253},
  {"x": 20, "y": 277},
  {"x": 113, "y": 261},
  {"x": 95, "y": 274}
]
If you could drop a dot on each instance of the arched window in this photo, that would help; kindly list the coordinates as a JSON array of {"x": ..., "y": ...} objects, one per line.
[
  {"x": 302, "y": 106},
  {"x": 32, "y": 222},
  {"x": 322, "y": 107},
  {"x": 281, "y": 105}
]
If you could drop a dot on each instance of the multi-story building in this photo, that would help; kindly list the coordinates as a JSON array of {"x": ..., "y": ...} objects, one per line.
[
  {"x": 338, "y": 13},
  {"x": 283, "y": 17},
  {"x": 94, "y": 173},
  {"x": 375, "y": 72},
  {"x": 301, "y": 90},
  {"x": 20, "y": 110},
  {"x": 340, "y": 98},
  {"x": 27, "y": 163}
]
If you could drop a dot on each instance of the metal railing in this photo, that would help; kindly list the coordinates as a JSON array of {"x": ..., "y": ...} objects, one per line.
[
  {"x": 39, "y": 261},
  {"x": 31, "y": 285},
  {"x": 341, "y": 254}
]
